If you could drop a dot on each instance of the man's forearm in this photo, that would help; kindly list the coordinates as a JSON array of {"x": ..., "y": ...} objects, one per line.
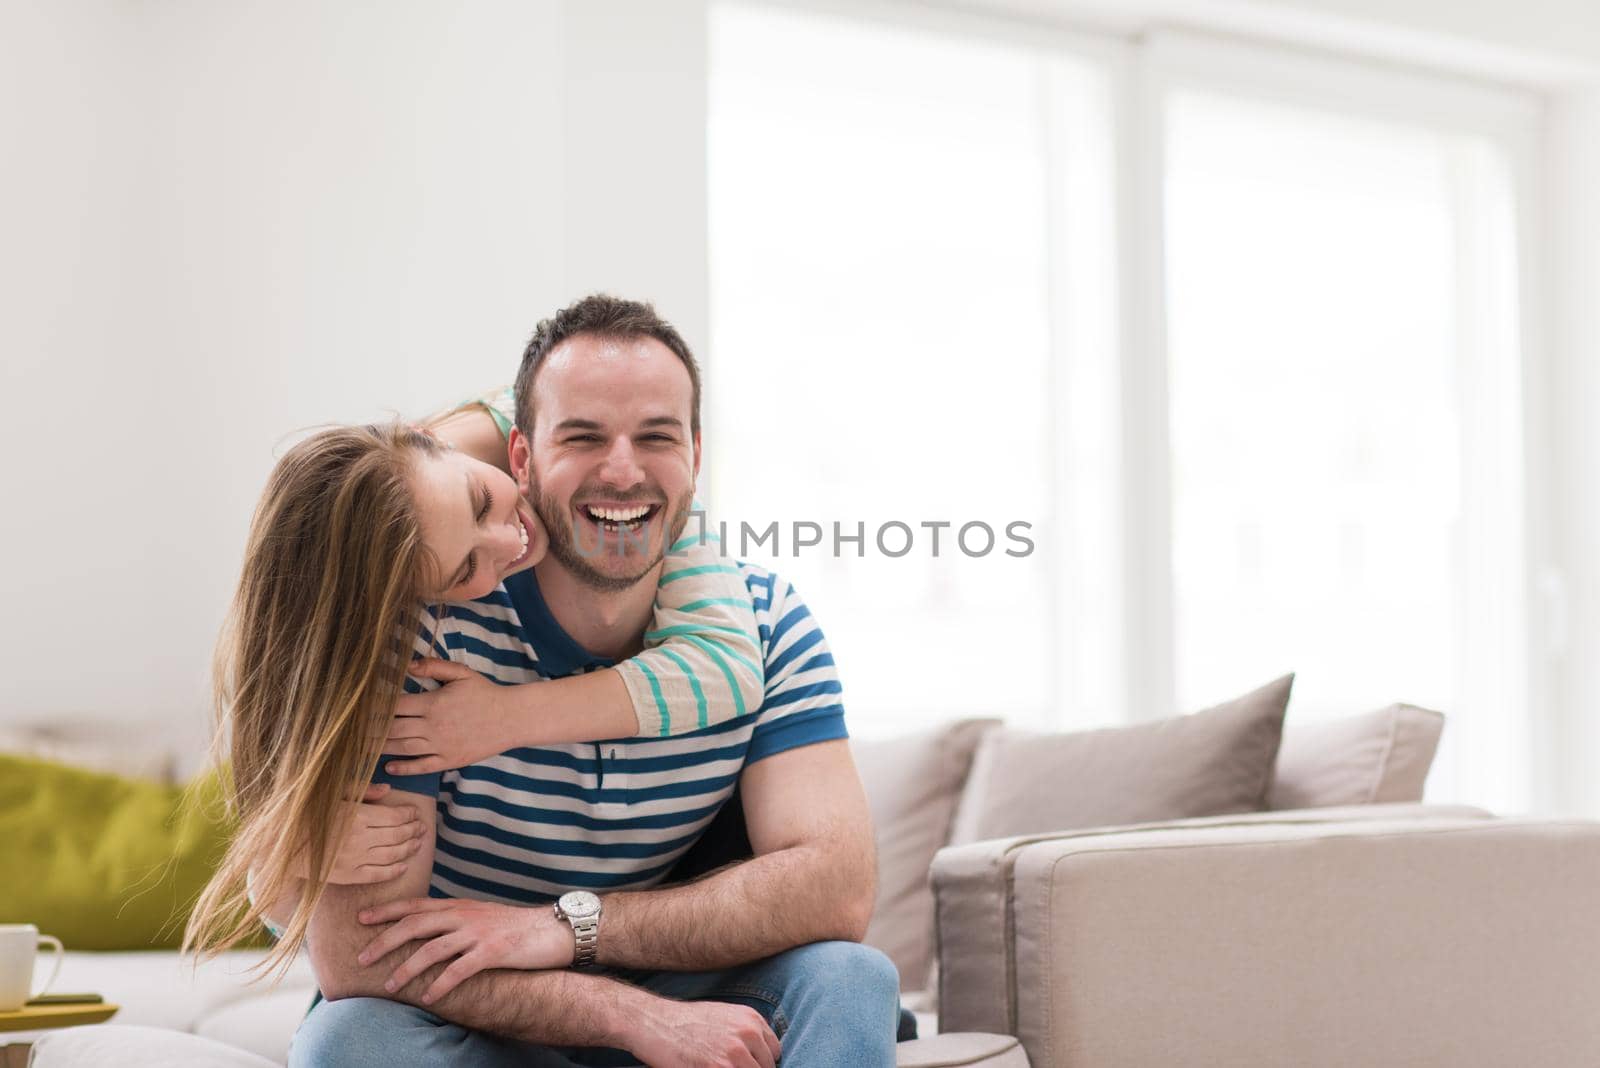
[
  {"x": 745, "y": 912},
  {"x": 558, "y": 1008}
]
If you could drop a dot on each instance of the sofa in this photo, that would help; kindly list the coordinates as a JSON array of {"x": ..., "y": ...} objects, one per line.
[{"x": 1318, "y": 914}]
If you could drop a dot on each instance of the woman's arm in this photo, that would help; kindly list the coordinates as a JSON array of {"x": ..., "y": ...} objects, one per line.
[
  {"x": 474, "y": 431},
  {"x": 702, "y": 667}
]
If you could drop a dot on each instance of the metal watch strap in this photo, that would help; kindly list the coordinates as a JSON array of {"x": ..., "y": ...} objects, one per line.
[
  {"x": 586, "y": 937},
  {"x": 586, "y": 934}
]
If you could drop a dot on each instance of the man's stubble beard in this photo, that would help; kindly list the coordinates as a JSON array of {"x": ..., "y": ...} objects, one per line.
[{"x": 558, "y": 525}]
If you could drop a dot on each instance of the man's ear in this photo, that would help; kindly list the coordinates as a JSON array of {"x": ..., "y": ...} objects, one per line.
[
  {"x": 520, "y": 456},
  {"x": 696, "y": 456}
]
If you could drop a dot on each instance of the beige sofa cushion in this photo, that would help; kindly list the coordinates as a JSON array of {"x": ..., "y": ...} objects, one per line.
[
  {"x": 1374, "y": 758},
  {"x": 913, "y": 783},
  {"x": 961, "y": 1051},
  {"x": 1211, "y": 763}
]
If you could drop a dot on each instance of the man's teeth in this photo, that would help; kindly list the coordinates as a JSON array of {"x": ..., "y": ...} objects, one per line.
[
  {"x": 619, "y": 515},
  {"x": 522, "y": 532}
]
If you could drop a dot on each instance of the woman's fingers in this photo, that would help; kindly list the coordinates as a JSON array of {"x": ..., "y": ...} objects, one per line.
[
  {"x": 443, "y": 670},
  {"x": 398, "y": 835},
  {"x": 408, "y": 726},
  {"x": 413, "y": 746},
  {"x": 392, "y": 854},
  {"x": 375, "y": 791},
  {"x": 375, "y": 816},
  {"x": 376, "y": 873},
  {"x": 426, "y": 766}
]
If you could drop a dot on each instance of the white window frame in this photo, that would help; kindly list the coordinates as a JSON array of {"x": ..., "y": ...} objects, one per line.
[
  {"x": 1512, "y": 120},
  {"x": 1145, "y": 70}
]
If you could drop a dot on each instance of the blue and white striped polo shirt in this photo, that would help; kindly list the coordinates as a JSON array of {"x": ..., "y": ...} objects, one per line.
[{"x": 531, "y": 824}]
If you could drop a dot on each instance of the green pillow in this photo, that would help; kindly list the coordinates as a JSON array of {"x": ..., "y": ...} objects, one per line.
[{"x": 104, "y": 862}]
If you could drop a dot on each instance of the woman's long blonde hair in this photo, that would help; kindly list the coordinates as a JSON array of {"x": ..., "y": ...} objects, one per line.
[{"x": 310, "y": 662}]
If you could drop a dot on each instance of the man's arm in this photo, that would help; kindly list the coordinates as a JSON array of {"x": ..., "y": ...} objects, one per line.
[
  {"x": 813, "y": 877},
  {"x": 549, "y": 1008}
]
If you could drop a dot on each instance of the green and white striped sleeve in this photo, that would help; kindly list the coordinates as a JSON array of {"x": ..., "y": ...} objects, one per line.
[{"x": 702, "y": 663}]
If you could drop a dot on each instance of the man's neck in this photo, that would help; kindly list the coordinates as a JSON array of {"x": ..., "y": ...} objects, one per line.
[{"x": 606, "y": 623}]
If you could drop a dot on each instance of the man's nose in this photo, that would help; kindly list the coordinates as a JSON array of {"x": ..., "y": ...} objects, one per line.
[{"x": 620, "y": 467}]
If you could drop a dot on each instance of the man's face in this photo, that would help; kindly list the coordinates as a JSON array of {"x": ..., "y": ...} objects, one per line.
[{"x": 612, "y": 464}]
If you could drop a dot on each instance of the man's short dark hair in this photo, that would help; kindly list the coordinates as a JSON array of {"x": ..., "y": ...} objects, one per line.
[{"x": 603, "y": 316}]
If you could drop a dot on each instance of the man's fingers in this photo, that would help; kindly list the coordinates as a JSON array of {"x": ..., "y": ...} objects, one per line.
[
  {"x": 442, "y": 948},
  {"x": 460, "y": 970},
  {"x": 375, "y": 791},
  {"x": 394, "y": 910},
  {"x": 422, "y": 925},
  {"x": 763, "y": 1044},
  {"x": 773, "y": 1045}
]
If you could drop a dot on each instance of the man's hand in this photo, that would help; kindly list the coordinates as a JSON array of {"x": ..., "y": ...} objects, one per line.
[
  {"x": 705, "y": 1034},
  {"x": 478, "y": 934},
  {"x": 378, "y": 842},
  {"x": 462, "y": 722}
]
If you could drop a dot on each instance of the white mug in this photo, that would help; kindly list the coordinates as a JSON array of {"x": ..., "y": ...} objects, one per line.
[{"x": 19, "y": 945}]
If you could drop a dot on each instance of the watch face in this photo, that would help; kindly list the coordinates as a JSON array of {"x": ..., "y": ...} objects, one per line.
[{"x": 580, "y": 904}]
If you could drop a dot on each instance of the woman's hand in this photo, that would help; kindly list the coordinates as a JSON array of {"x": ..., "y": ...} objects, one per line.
[
  {"x": 377, "y": 842},
  {"x": 460, "y": 723},
  {"x": 479, "y": 934}
]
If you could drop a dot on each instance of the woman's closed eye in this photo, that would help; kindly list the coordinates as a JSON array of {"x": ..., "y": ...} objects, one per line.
[{"x": 483, "y": 512}]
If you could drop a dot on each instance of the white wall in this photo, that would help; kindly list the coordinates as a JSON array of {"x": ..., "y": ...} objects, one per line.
[
  {"x": 239, "y": 219},
  {"x": 227, "y": 220},
  {"x": 1572, "y": 228}
]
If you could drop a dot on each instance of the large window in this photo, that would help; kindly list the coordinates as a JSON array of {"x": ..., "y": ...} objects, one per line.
[
  {"x": 1345, "y": 490},
  {"x": 1301, "y": 451},
  {"x": 890, "y": 246}
]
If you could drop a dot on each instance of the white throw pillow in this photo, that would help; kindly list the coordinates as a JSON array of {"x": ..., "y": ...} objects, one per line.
[{"x": 136, "y": 1047}]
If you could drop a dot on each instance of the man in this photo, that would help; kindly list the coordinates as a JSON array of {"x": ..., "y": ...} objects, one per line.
[{"x": 756, "y": 959}]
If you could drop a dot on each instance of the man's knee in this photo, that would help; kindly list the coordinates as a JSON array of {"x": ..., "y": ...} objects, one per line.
[
  {"x": 851, "y": 970},
  {"x": 353, "y": 1033}
]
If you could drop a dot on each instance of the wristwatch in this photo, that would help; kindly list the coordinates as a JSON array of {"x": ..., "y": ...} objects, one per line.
[{"x": 581, "y": 909}]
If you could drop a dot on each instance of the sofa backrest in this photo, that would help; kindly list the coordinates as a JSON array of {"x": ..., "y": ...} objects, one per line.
[{"x": 917, "y": 784}]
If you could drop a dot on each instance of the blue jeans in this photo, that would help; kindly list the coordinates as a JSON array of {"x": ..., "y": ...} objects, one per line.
[{"x": 829, "y": 1003}]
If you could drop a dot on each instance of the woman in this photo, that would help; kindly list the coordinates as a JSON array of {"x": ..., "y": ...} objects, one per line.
[{"x": 341, "y": 561}]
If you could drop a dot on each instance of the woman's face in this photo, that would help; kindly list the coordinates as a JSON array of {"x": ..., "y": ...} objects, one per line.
[{"x": 476, "y": 524}]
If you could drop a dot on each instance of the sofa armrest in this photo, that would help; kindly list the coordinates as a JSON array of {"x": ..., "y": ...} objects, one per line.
[
  {"x": 1396, "y": 934},
  {"x": 973, "y": 903}
]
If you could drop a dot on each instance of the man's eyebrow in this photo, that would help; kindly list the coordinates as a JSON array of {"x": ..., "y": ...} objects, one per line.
[
  {"x": 663, "y": 420},
  {"x": 577, "y": 424}
]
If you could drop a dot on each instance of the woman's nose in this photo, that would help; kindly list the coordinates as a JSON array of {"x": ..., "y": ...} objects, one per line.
[{"x": 508, "y": 540}]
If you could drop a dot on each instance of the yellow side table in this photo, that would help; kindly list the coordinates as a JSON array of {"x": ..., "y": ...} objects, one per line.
[{"x": 43, "y": 1018}]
